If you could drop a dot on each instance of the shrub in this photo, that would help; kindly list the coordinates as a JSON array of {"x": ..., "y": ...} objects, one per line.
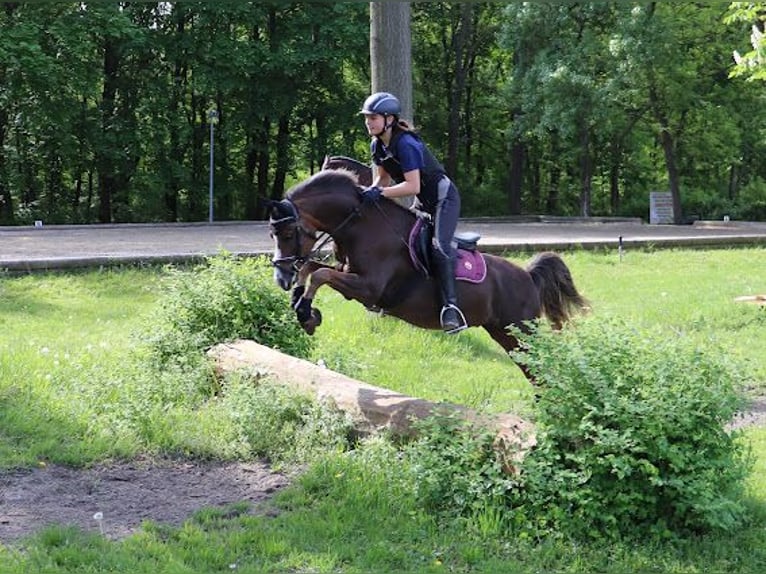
[
  {"x": 281, "y": 424},
  {"x": 631, "y": 433},
  {"x": 455, "y": 467},
  {"x": 225, "y": 299}
]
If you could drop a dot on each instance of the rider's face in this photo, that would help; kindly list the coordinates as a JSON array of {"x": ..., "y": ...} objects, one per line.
[{"x": 375, "y": 123}]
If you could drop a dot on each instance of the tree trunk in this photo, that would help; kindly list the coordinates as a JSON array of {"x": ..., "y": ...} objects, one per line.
[
  {"x": 517, "y": 176},
  {"x": 552, "y": 199},
  {"x": 106, "y": 150},
  {"x": 733, "y": 181},
  {"x": 263, "y": 158},
  {"x": 391, "y": 52},
  {"x": 200, "y": 163},
  {"x": 669, "y": 150},
  {"x": 176, "y": 151},
  {"x": 461, "y": 37},
  {"x": 614, "y": 187},
  {"x": 251, "y": 161},
  {"x": 283, "y": 160},
  {"x": 6, "y": 198},
  {"x": 372, "y": 409},
  {"x": 586, "y": 172}
]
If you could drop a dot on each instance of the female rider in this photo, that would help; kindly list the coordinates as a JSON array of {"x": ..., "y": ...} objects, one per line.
[{"x": 405, "y": 167}]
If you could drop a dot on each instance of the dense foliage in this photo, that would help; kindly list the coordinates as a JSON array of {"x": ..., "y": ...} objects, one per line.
[
  {"x": 584, "y": 108},
  {"x": 631, "y": 441},
  {"x": 632, "y": 433},
  {"x": 225, "y": 299}
]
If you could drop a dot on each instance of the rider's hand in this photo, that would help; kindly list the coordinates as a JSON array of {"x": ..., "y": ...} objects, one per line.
[{"x": 371, "y": 194}]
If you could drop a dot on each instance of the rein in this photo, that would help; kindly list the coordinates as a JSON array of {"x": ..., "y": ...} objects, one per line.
[{"x": 391, "y": 225}]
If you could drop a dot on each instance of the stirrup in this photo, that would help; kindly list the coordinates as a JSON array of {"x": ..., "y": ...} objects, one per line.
[{"x": 463, "y": 324}]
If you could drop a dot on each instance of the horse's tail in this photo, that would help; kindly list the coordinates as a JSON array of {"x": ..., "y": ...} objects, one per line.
[{"x": 559, "y": 298}]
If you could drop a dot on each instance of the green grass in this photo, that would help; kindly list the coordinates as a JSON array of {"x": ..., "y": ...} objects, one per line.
[
  {"x": 66, "y": 394},
  {"x": 62, "y": 340},
  {"x": 689, "y": 293}
]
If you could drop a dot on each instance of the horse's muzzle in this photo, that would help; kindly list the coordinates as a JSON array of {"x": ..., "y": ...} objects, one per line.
[{"x": 284, "y": 277}]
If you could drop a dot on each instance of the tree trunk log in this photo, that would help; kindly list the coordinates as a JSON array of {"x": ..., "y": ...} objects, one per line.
[{"x": 371, "y": 408}]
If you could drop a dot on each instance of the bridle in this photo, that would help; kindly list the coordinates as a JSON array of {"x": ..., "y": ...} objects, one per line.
[{"x": 297, "y": 261}]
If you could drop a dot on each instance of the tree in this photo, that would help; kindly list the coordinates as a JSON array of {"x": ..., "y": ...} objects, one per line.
[
  {"x": 391, "y": 52},
  {"x": 752, "y": 64}
]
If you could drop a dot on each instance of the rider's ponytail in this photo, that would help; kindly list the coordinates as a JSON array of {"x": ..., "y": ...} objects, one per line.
[{"x": 403, "y": 125}]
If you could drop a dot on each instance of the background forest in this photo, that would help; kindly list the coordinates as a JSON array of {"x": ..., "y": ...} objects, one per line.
[{"x": 562, "y": 109}]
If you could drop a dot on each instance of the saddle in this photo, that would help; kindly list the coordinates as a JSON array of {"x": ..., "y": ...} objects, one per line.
[{"x": 469, "y": 264}]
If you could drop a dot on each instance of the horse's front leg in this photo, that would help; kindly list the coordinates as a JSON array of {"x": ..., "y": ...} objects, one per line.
[
  {"x": 300, "y": 281},
  {"x": 350, "y": 285},
  {"x": 308, "y": 318}
]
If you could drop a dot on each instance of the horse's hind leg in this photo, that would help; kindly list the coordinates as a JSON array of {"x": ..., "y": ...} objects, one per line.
[{"x": 509, "y": 343}]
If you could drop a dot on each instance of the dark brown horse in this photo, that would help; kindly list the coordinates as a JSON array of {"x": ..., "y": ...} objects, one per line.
[{"x": 381, "y": 274}]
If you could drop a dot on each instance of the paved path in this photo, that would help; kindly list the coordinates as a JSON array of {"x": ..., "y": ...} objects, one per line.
[{"x": 71, "y": 246}]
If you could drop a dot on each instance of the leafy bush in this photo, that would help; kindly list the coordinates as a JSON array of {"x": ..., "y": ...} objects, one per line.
[
  {"x": 456, "y": 468},
  {"x": 277, "y": 422},
  {"x": 631, "y": 433},
  {"x": 752, "y": 201},
  {"x": 225, "y": 299}
]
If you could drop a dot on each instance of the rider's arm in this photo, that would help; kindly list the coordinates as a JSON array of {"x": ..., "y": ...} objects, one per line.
[
  {"x": 380, "y": 177},
  {"x": 407, "y": 188}
]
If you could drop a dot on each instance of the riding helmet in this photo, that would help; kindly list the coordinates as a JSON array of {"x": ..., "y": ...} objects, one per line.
[{"x": 382, "y": 103}]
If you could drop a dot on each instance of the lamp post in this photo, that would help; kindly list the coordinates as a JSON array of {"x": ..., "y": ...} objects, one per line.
[{"x": 212, "y": 117}]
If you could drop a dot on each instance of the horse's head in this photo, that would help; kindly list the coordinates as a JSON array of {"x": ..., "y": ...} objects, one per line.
[
  {"x": 327, "y": 202},
  {"x": 293, "y": 242}
]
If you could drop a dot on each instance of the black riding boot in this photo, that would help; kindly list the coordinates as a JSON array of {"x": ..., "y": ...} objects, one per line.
[{"x": 451, "y": 317}]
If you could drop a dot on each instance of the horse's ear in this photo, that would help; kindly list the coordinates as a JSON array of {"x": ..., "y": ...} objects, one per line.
[{"x": 268, "y": 206}]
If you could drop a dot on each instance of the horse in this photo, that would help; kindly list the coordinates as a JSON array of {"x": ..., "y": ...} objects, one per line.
[{"x": 380, "y": 273}]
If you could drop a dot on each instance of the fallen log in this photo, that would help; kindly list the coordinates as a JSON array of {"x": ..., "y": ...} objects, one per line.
[{"x": 372, "y": 409}]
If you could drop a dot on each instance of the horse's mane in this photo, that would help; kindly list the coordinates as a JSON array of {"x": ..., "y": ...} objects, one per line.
[
  {"x": 330, "y": 159},
  {"x": 336, "y": 181},
  {"x": 331, "y": 178}
]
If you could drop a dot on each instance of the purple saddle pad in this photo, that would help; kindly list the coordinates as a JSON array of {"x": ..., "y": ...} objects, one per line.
[{"x": 469, "y": 264}]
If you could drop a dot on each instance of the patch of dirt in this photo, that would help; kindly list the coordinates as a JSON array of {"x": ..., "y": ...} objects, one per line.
[
  {"x": 127, "y": 494},
  {"x": 754, "y": 416},
  {"x": 167, "y": 492}
]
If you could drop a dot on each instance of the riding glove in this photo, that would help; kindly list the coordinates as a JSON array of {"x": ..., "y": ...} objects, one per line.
[{"x": 371, "y": 194}]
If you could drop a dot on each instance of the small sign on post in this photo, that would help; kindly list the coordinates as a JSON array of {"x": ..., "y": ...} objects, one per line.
[{"x": 661, "y": 208}]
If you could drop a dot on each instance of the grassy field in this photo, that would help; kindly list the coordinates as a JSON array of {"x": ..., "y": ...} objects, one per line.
[
  {"x": 688, "y": 293},
  {"x": 71, "y": 392}
]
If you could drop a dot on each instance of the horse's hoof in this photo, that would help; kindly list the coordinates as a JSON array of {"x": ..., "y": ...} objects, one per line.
[
  {"x": 312, "y": 323},
  {"x": 303, "y": 310}
]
